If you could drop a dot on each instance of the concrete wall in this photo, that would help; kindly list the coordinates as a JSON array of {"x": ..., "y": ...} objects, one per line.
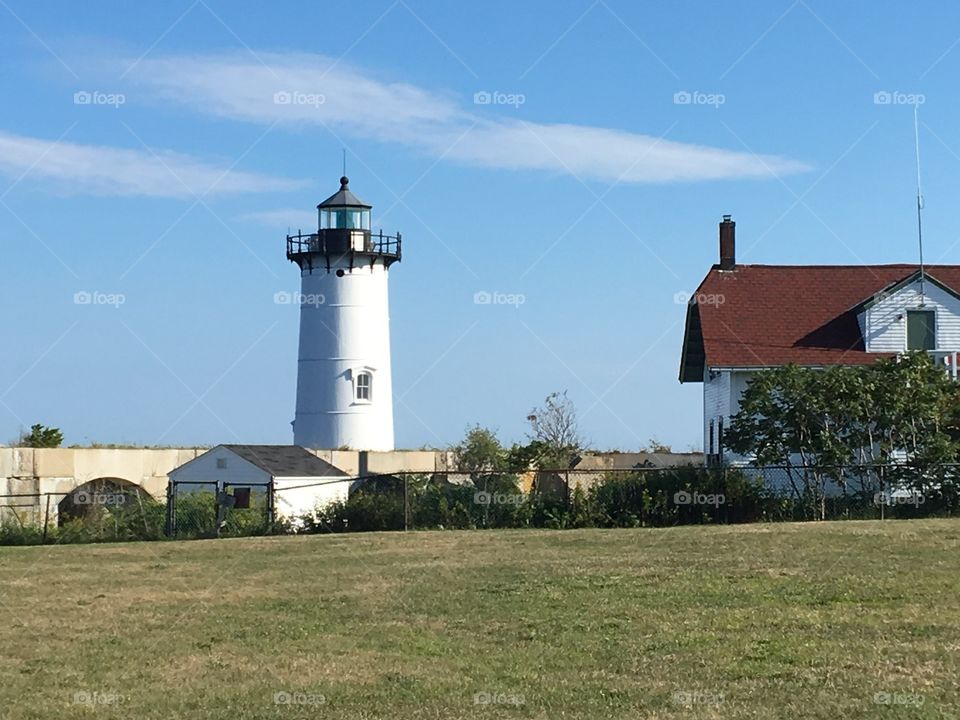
[{"x": 59, "y": 471}]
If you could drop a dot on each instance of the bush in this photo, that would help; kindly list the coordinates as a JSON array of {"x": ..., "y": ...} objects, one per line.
[{"x": 685, "y": 495}]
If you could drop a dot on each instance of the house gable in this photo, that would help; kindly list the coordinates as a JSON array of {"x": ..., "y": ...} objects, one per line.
[
  {"x": 883, "y": 318},
  {"x": 219, "y": 464}
]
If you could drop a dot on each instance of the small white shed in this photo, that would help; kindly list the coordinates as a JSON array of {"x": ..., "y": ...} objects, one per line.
[{"x": 300, "y": 480}]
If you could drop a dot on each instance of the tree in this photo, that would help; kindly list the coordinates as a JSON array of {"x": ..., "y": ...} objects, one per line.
[
  {"x": 479, "y": 452},
  {"x": 41, "y": 436},
  {"x": 897, "y": 417},
  {"x": 555, "y": 426}
]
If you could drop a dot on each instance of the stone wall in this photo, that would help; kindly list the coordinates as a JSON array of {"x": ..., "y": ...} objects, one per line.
[{"x": 29, "y": 476}]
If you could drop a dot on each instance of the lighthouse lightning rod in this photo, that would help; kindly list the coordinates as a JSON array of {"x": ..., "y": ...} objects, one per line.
[{"x": 916, "y": 137}]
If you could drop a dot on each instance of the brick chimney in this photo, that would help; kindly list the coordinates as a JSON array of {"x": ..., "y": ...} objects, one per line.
[{"x": 728, "y": 244}]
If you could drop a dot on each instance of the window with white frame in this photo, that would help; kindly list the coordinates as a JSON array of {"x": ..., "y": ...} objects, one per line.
[{"x": 363, "y": 386}]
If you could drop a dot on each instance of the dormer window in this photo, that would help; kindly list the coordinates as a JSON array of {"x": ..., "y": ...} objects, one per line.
[
  {"x": 363, "y": 386},
  {"x": 921, "y": 330}
]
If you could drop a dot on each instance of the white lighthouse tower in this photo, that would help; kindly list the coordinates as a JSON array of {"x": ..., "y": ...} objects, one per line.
[{"x": 344, "y": 389}]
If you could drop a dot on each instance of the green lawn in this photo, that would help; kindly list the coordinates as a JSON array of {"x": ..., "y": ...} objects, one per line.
[{"x": 751, "y": 621}]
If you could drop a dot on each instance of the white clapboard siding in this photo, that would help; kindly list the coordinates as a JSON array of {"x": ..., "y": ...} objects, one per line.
[
  {"x": 204, "y": 469},
  {"x": 885, "y": 323},
  {"x": 716, "y": 401}
]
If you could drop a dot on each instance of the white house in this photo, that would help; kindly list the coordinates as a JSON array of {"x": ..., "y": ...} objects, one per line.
[
  {"x": 300, "y": 481},
  {"x": 744, "y": 318}
]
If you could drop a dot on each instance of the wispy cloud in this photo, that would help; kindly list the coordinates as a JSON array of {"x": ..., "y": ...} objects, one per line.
[
  {"x": 104, "y": 170},
  {"x": 299, "y": 89}
]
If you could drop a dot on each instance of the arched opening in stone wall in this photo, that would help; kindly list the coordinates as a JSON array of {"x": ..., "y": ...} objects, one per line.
[{"x": 99, "y": 496}]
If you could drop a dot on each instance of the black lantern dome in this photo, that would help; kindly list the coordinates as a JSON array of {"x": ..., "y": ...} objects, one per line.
[{"x": 343, "y": 230}]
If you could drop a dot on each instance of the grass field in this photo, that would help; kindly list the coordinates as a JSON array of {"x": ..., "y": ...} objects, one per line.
[{"x": 829, "y": 620}]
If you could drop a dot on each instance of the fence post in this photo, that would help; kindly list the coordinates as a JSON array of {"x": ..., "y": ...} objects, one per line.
[
  {"x": 46, "y": 520},
  {"x": 168, "y": 529},
  {"x": 406, "y": 502},
  {"x": 270, "y": 505},
  {"x": 216, "y": 509}
]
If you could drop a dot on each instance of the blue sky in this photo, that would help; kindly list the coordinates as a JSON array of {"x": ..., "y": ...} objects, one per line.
[{"x": 147, "y": 160}]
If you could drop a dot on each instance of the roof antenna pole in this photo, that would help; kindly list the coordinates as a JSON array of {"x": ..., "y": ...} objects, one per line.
[
  {"x": 916, "y": 137},
  {"x": 345, "y": 161}
]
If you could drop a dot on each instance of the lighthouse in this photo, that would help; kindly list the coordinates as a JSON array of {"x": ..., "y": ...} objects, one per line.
[{"x": 344, "y": 388}]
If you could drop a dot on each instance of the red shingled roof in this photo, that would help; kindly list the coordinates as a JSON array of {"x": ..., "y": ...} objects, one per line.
[{"x": 768, "y": 315}]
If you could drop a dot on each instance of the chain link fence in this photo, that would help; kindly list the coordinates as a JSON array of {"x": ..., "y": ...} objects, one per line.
[
  {"x": 93, "y": 513},
  {"x": 211, "y": 509},
  {"x": 566, "y": 498},
  {"x": 639, "y": 497}
]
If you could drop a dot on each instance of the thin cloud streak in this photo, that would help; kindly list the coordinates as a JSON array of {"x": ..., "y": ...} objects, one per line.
[
  {"x": 307, "y": 90},
  {"x": 78, "y": 169}
]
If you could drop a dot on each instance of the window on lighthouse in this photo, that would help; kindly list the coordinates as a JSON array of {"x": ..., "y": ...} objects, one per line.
[{"x": 363, "y": 386}]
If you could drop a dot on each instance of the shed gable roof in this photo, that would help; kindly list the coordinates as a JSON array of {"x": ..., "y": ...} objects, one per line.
[{"x": 286, "y": 460}]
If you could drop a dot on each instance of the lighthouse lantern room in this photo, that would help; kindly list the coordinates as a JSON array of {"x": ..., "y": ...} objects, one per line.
[{"x": 344, "y": 384}]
